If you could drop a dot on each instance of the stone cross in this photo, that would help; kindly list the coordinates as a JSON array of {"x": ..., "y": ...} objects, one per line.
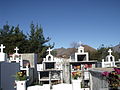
[
  {"x": 110, "y": 51},
  {"x": 16, "y": 49},
  {"x": 49, "y": 50},
  {"x": 2, "y": 47}
]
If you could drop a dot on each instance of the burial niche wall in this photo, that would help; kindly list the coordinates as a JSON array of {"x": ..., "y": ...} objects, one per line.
[
  {"x": 50, "y": 65},
  {"x": 81, "y": 57}
]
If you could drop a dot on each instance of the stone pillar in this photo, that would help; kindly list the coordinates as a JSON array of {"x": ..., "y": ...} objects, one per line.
[
  {"x": 21, "y": 63},
  {"x": 2, "y": 57},
  {"x": 21, "y": 85},
  {"x": 50, "y": 77},
  {"x": 17, "y": 59},
  {"x": 2, "y": 54},
  {"x": 44, "y": 66},
  {"x": 27, "y": 70},
  {"x": 102, "y": 63},
  {"x": 39, "y": 77},
  {"x": 61, "y": 76}
]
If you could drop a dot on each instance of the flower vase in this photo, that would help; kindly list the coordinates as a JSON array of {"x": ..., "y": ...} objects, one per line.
[
  {"x": 20, "y": 85},
  {"x": 76, "y": 84}
]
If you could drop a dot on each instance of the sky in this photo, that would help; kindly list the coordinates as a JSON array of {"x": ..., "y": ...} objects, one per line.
[{"x": 92, "y": 22}]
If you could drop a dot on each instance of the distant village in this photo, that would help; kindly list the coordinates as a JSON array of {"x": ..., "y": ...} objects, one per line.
[{"x": 20, "y": 71}]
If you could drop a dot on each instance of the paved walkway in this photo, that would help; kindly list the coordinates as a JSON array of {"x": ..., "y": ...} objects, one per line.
[{"x": 54, "y": 87}]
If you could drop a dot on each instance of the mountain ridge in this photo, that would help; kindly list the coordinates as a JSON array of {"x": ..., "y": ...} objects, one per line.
[{"x": 67, "y": 52}]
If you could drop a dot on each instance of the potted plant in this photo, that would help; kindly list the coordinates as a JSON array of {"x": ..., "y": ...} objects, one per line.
[
  {"x": 20, "y": 81},
  {"x": 76, "y": 80},
  {"x": 20, "y": 76}
]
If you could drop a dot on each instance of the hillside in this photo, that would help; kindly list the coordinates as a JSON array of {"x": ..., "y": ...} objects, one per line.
[
  {"x": 67, "y": 52},
  {"x": 117, "y": 48}
]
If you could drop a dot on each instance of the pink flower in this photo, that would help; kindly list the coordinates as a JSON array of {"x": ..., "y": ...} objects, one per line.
[
  {"x": 105, "y": 73},
  {"x": 117, "y": 70}
]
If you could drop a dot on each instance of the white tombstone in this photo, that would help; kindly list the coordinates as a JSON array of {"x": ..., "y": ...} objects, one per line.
[
  {"x": 54, "y": 68},
  {"x": 16, "y": 57},
  {"x": 109, "y": 61},
  {"x": 2, "y": 54},
  {"x": 82, "y": 53}
]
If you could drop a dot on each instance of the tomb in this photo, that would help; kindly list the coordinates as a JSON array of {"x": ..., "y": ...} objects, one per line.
[
  {"x": 28, "y": 64},
  {"x": 79, "y": 66},
  {"x": 49, "y": 72},
  {"x": 81, "y": 55},
  {"x": 109, "y": 60},
  {"x": 17, "y": 58},
  {"x": 7, "y": 71}
]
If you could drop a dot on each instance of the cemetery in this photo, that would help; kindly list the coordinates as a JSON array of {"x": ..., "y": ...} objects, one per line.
[
  {"x": 41, "y": 45},
  {"x": 21, "y": 71}
]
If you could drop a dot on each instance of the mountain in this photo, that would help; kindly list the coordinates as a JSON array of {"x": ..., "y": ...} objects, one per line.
[
  {"x": 117, "y": 48},
  {"x": 67, "y": 52}
]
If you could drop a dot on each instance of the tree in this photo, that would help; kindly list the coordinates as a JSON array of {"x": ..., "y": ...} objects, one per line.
[
  {"x": 102, "y": 52},
  {"x": 38, "y": 41},
  {"x": 34, "y": 42},
  {"x": 75, "y": 45},
  {"x": 12, "y": 37}
]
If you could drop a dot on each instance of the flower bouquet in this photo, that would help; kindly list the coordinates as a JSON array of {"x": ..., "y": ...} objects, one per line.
[
  {"x": 76, "y": 75},
  {"x": 20, "y": 76}
]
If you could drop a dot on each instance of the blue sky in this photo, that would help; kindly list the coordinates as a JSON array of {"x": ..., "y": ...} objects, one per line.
[{"x": 94, "y": 22}]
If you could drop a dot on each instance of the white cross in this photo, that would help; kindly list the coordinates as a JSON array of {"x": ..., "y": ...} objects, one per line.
[
  {"x": 16, "y": 49},
  {"x": 49, "y": 50},
  {"x": 110, "y": 51},
  {"x": 2, "y": 47}
]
